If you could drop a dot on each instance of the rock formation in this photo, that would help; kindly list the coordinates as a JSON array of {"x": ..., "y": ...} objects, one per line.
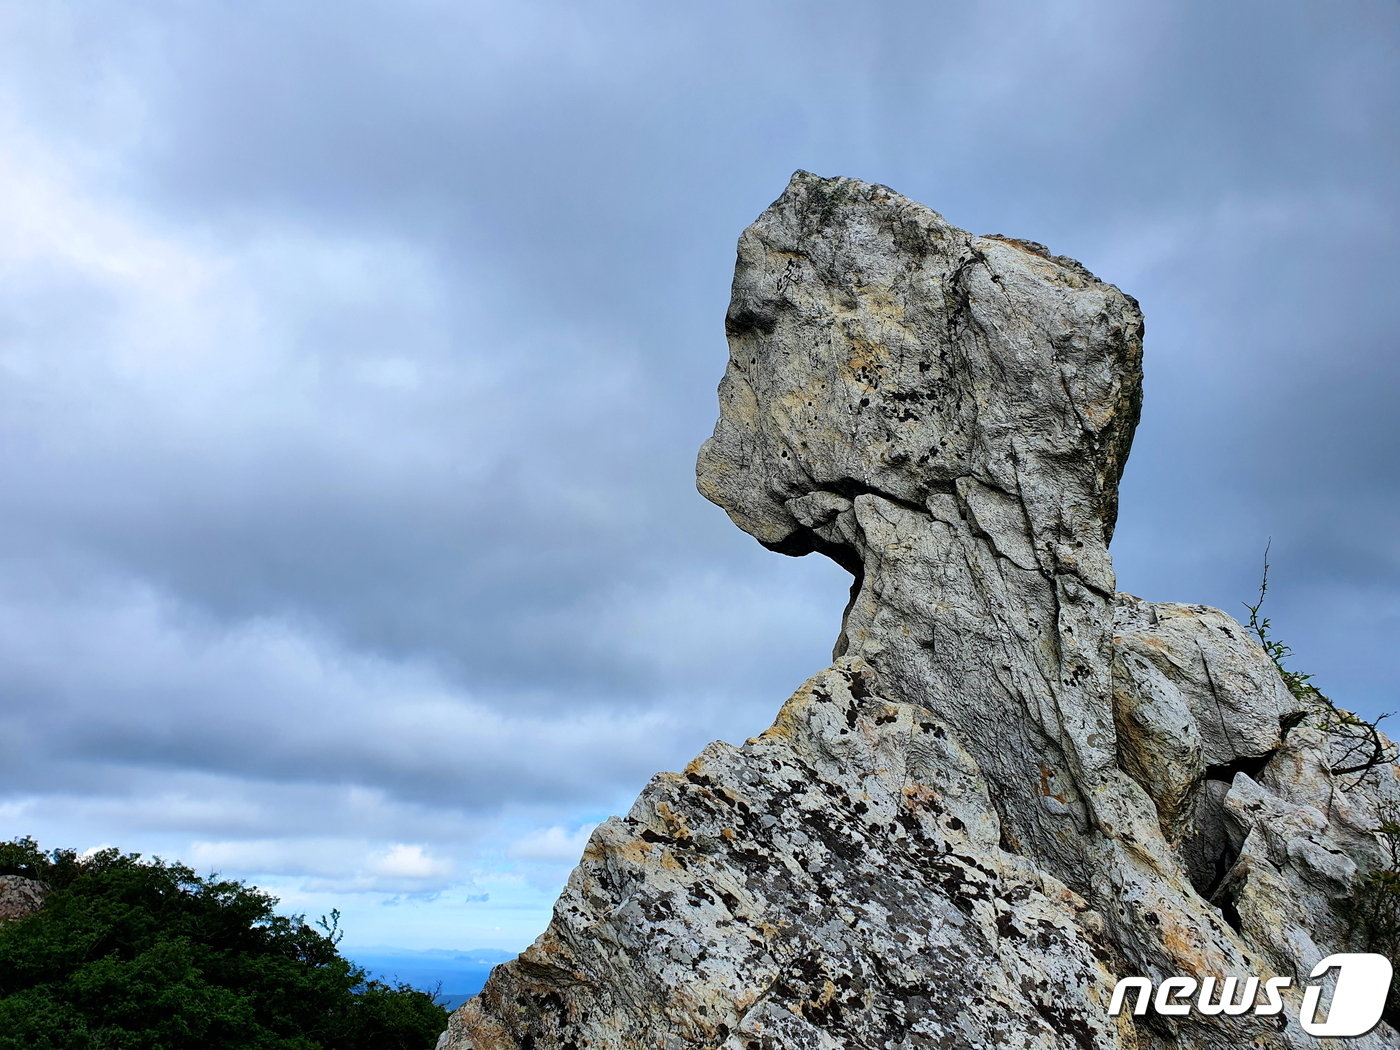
[
  {"x": 1014, "y": 785},
  {"x": 20, "y": 897}
]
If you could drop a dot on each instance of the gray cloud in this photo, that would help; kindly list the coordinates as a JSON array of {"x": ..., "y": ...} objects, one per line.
[{"x": 353, "y": 360}]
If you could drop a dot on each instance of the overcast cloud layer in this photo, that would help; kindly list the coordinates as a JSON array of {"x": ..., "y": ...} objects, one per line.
[{"x": 353, "y": 360}]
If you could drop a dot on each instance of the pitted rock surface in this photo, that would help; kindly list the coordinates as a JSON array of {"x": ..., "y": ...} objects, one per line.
[
  {"x": 20, "y": 897},
  {"x": 1014, "y": 785}
]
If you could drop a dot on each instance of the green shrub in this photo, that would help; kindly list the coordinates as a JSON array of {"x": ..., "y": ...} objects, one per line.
[
  {"x": 130, "y": 954},
  {"x": 1374, "y": 907}
]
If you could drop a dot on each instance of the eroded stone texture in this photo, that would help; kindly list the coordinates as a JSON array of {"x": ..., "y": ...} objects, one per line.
[
  {"x": 20, "y": 897},
  {"x": 735, "y": 903},
  {"x": 1014, "y": 785}
]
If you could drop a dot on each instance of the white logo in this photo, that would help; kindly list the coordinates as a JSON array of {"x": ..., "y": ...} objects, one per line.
[{"x": 1363, "y": 979}]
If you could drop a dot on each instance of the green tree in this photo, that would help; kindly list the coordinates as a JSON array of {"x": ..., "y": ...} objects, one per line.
[{"x": 133, "y": 954}]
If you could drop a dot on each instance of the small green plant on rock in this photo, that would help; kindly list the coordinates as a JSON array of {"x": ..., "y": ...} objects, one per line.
[
  {"x": 1360, "y": 745},
  {"x": 1373, "y": 910}
]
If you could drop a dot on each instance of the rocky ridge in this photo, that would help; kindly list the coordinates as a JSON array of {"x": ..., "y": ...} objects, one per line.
[{"x": 1014, "y": 785}]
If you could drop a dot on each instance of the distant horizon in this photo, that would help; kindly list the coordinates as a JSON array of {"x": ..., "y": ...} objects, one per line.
[
  {"x": 505, "y": 953},
  {"x": 454, "y": 975}
]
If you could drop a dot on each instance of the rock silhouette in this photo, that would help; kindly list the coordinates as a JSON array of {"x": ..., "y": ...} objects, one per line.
[{"x": 1014, "y": 785}]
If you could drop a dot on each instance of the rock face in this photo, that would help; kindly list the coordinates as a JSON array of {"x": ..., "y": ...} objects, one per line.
[
  {"x": 20, "y": 897},
  {"x": 1014, "y": 786}
]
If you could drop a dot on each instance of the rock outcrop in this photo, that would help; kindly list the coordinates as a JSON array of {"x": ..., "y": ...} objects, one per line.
[
  {"x": 1014, "y": 785},
  {"x": 20, "y": 897}
]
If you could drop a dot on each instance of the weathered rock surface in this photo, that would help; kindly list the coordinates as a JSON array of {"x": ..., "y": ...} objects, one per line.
[
  {"x": 20, "y": 897},
  {"x": 1014, "y": 785}
]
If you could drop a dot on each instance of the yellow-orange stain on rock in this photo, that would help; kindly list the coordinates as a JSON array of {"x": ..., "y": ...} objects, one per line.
[
  {"x": 675, "y": 823},
  {"x": 919, "y": 796},
  {"x": 1045, "y": 774},
  {"x": 637, "y": 851}
]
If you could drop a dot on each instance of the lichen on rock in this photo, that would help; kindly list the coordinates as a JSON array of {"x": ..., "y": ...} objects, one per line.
[
  {"x": 20, "y": 897},
  {"x": 1014, "y": 785}
]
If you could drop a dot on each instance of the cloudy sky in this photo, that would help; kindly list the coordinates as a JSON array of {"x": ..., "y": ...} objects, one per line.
[{"x": 354, "y": 357}]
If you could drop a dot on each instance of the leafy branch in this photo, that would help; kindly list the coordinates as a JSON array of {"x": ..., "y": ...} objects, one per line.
[
  {"x": 331, "y": 927},
  {"x": 1362, "y": 746}
]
